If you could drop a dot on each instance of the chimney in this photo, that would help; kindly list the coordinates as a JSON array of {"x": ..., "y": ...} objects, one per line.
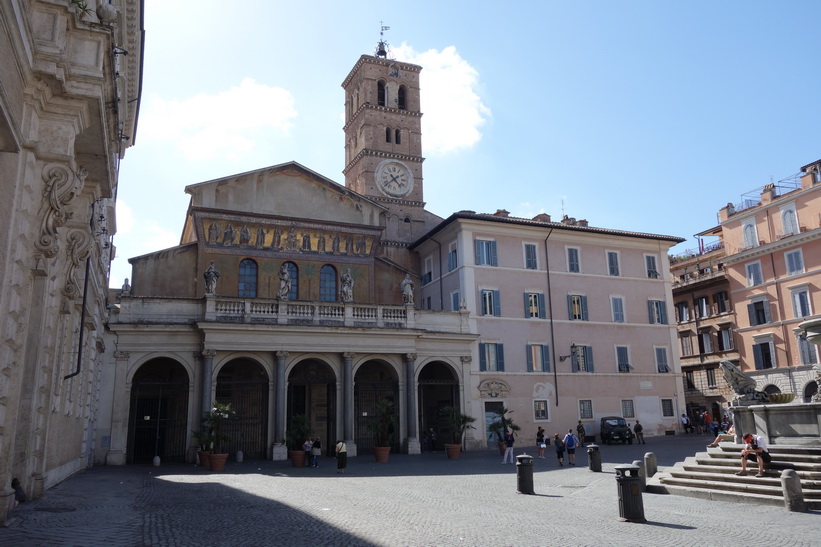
[
  {"x": 501, "y": 213},
  {"x": 542, "y": 217},
  {"x": 582, "y": 222}
]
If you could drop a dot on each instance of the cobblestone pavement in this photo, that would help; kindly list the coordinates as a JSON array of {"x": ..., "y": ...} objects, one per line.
[{"x": 412, "y": 500}]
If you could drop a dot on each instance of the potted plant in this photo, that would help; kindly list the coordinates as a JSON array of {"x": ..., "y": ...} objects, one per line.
[
  {"x": 382, "y": 427},
  {"x": 215, "y": 422},
  {"x": 298, "y": 429},
  {"x": 500, "y": 425},
  {"x": 459, "y": 423},
  {"x": 204, "y": 439}
]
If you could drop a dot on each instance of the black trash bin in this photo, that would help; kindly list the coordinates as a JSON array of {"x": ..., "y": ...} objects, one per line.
[
  {"x": 593, "y": 458},
  {"x": 628, "y": 483},
  {"x": 524, "y": 474}
]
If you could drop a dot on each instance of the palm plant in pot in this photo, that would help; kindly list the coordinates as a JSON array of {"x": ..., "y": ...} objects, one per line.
[
  {"x": 458, "y": 423},
  {"x": 500, "y": 426},
  {"x": 299, "y": 428},
  {"x": 382, "y": 427},
  {"x": 213, "y": 427},
  {"x": 204, "y": 441}
]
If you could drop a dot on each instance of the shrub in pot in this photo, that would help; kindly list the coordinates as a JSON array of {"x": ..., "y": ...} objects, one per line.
[{"x": 458, "y": 424}]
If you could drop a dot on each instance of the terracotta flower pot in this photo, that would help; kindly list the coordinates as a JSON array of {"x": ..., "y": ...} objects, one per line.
[
  {"x": 216, "y": 462},
  {"x": 381, "y": 453},
  {"x": 203, "y": 455},
  {"x": 297, "y": 457},
  {"x": 454, "y": 451}
]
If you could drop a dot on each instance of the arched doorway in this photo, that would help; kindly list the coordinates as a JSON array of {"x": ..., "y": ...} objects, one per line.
[
  {"x": 374, "y": 381},
  {"x": 810, "y": 390},
  {"x": 312, "y": 393},
  {"x": 244, "y": 384},
  {"x": 158, "y": 411},
  {"x": 771, "y": 389},
  {"x": 438, "y": 388}
]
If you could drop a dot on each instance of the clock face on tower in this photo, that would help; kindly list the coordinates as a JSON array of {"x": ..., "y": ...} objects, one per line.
[{"x": 394, "y": 178}]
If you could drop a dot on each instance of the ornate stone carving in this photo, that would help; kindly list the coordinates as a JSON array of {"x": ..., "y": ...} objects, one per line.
[
  {"x": 410, "y": 356},
  {"x": 742, "y": 384},
  {"x": 79, "y": 248},
  {"x": 282, "y": 354},
  {"x": 62, "y": 187},
  {"x": 466, "y": 359},
  {"x": 209, "y": 353},
  {"x": 122, "y": 355},
  {"x": 493, "y": 388},
  {"x": 346, "y": 286},
  {"x": 349, "y": 355},
  {"x": 211, "y": 275},
  {"x": 407, "y": 289}
]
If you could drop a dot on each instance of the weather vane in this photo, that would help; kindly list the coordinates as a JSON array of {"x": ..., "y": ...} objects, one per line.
[{"x": 382, "y": 46}]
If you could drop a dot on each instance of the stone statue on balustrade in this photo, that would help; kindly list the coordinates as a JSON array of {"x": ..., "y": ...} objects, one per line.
[
  {"x": 742, "y": 384},
  {"x": 284, "y": 283},
  {"x": 211, "y": 275},
  {"x": 407, "y": 289},
  {"x": 346, "y": 290}
]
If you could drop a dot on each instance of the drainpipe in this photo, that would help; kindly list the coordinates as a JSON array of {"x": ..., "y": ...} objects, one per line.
[
  {"x": 550, "y": 307},
  {"x": 82, "y": 322}
]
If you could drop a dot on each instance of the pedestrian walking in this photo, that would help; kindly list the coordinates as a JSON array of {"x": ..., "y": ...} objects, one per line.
[
  {"x": 558, "y": 443},
  {"x": 580, "y": 432},
  {"x": 432, "y": 440},
  {"x": 540, "y": 444},
  {"x": 638, "y": 429},
  {"x": 307, "y": 446},
  {"x": 509, "y": 440},
  {"x": 341, "y": 456},
  {"x": 571, "y": 441},
  {"x": 316, "y": 452}
]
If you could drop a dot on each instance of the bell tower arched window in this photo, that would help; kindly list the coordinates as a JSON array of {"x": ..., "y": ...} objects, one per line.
[
  {"x": 327, "y": 284},
  {"x": 381, "y": 93},
  {"x": 398, "y": 139},
  {"x": 247, "y": 279},
  {"x": 402, "y": 102},
  {"x": 387, "y": 134}
]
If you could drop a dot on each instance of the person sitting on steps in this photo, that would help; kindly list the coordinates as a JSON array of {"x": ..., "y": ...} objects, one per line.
[{"x": 756, "y": 450}]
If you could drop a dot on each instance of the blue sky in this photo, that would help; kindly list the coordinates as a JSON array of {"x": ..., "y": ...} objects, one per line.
[{"x": 635, "y": 115}]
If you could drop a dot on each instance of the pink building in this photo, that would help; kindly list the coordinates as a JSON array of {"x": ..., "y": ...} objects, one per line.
[{"x": 575, "y": 322}]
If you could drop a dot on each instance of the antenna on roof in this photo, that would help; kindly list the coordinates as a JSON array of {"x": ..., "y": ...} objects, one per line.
[{"x": 382, "y": 45}]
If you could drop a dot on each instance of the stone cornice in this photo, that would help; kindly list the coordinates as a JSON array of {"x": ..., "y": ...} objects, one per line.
[{"x": 380, "y": 154}]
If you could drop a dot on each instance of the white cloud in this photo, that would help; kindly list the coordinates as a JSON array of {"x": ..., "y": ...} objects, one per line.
[
  {"x": 454, "y": 112},
  {"x": 218, "y": 126}
]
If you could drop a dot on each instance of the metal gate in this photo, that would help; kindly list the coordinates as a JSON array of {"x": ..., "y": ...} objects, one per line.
[
  {"x": 366, "y": 396},
  {"x": 157, "y": 421},
  {"x": 244, "y": 384}
]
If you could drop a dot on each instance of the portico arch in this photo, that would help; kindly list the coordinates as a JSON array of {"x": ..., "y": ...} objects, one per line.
[
  {"x": 312, "y": 393},
  {"x": 438, "y": 387},
  {"x": 374, "y": 380},
  {"x": 244, "y": 384},
  {"x": 158, "y": 411}
]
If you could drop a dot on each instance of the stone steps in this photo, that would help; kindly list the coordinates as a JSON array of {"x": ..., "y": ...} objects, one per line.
[{"x": 711, "y": 475}]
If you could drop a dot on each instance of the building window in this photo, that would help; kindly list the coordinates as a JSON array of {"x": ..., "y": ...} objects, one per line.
[
  {"x": 702, "y": 307},
  {"x": 657, "y": 311},
  {"x": 788, "y": 221},
  {"x": 722, "y": 301},
  {"x": 763, "y": 355},
  {"x": 705, "y": 344},
  {"x": 807, "y": 351},
  {"x": 759, "y": 312},
  {"x": 627, "y": 408},
  {"x": 750, "y": 235},
  {"x": 427, "y": 276},
  {"x": 530, "y": 256},
  {"x": 247, "y": 279},
  {"x": 455, "y": 301},
  {"x": 573, "y": 264},
  {"x": 538, "y": 358},
  {"x": 617, "y": 307},
  {"x": 491, "y": 357},
  {"x": 582, "y": 359},
  {"x": 667, "y": 408},
  {"x": 452, "y": 257},
  {"x": 725, "y": 339},
  {"x": 585, "y": 409},
  {"x": 381, "y": 93},
  {"x": 402, "y": 100},
  {"x": 754, "y": 276},
  {"x": 491, "y": 302},
  {"x": 293, "y": 274},
  {"x": 534, "y": 305},
  {"x": 801, "y": 302},
  {"x": 577, "y": 307},
  {"x": 540, "y": 410},
  {"x": 387, "y": 134},
  {"x": 661, "y": 360},
  {"x": 327, "y": 284},
  {"x": 650, "y": 264},
  {"x": 795, "y": 262},
  {"x": 711, "y": 377},
  {"x": 612, "y": 263},
  {"x": 397, "y": 136},
  {"x": 486, "y": 253},
  {"x": 623, "y": 359},
  {"x": 689, "y": 380},
  {"x": 683, "y": 312},
  {"x": 686, "y": 345}
]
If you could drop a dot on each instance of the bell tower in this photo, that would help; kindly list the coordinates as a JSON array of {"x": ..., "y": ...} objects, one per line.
[{"x": 383, "y": 139}]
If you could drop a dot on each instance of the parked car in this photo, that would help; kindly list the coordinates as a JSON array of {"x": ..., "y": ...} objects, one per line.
[{"x": 614, "y": 428}]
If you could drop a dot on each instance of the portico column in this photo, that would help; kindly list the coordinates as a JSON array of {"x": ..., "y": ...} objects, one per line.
[
  {"x": 207, "y": 371},
  {"x": 411, "y": 419},
  {"x": 119, "y": 413},
  {"x": 280, "y": 451},
  {"x": 347, "y": 402}
]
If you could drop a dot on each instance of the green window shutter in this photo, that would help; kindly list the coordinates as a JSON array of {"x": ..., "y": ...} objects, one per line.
[
  {"x": 529, "y": 352},
  {"x": 482, "y": 358},
  {"x": 500, "y": 357}
]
